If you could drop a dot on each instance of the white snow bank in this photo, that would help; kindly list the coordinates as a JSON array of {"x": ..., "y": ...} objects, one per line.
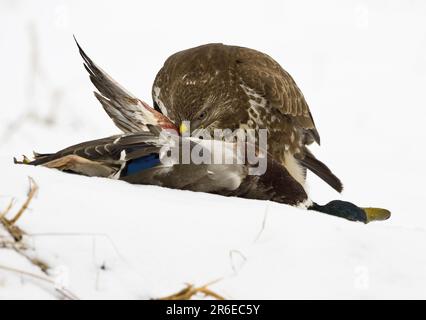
[{"x": 110, "y": 239}]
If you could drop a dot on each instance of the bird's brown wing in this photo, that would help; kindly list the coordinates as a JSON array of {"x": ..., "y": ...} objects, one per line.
[
  {"x": 267, "y": 78},
  {"x": 264, "y": 76},
  {"x": 129, "y": 113}
]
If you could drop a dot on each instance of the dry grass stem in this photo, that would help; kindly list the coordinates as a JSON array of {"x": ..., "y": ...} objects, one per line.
[
  {"x": 265, "y": 217},
  {"x": 14, "y": 231},
  {"x": 232, "y": 254},
  {"x": 9, "y": 225},
  {"x": 190, "y": 291},
  {"x": 16, "y": 234},
  {"x": 66, "y": 294},
  {"x": 31, "y": 193},
  {"x": 6, "y": 211}
]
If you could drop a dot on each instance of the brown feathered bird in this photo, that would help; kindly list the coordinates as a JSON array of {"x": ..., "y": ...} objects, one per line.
[{"x": 229, "y": 87}]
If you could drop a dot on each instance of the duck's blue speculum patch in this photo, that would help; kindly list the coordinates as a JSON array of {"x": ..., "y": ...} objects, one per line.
[{"x": 140, "y": 164}]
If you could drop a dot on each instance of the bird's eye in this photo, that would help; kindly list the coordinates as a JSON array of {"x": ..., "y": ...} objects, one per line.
[{"x": 202, "y": 115}]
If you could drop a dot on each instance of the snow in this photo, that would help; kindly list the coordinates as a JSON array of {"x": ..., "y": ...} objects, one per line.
[{"x": 362, "y": 69}]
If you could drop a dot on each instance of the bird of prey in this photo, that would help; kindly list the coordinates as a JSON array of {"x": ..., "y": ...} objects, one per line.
[
  {"x": 248, "y": 89},
  {"x": 222, "y": 86}
]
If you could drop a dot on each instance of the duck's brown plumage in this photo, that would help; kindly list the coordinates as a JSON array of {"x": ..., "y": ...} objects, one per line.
[{"x": 239, "y": 87}]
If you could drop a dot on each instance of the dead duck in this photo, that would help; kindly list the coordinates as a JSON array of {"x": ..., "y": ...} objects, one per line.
[{"x": 136, "y": 156}]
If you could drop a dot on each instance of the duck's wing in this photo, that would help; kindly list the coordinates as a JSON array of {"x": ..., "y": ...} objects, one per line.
[
  {"x": 139, "y": 158},
  {"x": 106, "y": 157},
  {"x": 107, "y": 149},
  {"x": 129, "y": 113}
]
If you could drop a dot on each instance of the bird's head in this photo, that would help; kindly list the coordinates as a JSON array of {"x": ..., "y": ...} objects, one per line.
[
  {"x": 197, "y": 118},
  {"x": 200, "y": 114}
]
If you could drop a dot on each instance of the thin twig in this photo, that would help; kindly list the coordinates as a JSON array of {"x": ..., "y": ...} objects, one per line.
[
  {"x": 43, "y": 266},
  {"x": 6, "y": 211},
  {"x": 9, "y": 225},
  {"x": 11, "y": 244},
  {"x": 19, "y": 246},
  {"x": 17, "y": 233},
  {"x": 265, "y": 216},
  {"x": 81, "y": 234},
  {"x": 66, "y": 293},
  {"x": 32, "y": 191},
  {"x": 190, "y": 290},
  {"x": 231, "y": 253}
]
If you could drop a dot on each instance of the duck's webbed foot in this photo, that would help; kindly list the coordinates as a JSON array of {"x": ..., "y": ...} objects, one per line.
[{"x": 350, "y": 211}]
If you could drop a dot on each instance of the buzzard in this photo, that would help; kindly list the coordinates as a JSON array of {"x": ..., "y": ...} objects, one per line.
[{"x": 221, "y": 86}]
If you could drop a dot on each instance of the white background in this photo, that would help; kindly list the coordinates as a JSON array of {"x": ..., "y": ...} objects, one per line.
[{"x": 362, "y": 68}]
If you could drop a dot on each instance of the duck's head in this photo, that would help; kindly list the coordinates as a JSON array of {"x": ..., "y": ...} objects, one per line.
[{"x": 350, "y": 211}]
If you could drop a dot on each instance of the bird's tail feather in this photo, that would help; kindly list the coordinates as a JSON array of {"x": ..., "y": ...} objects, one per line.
[{"x": 321, "y": 170}]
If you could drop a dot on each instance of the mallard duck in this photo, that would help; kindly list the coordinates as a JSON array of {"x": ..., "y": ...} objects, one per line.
[{"x": 138, "y": 155}]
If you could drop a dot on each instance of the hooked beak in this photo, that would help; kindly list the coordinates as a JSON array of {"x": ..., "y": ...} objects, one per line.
[{"x": 183, "y": 128}]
